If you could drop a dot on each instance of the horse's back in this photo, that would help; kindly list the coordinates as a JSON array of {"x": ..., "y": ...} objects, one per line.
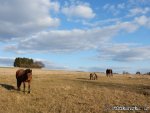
[{"x": 19, "y": 72}]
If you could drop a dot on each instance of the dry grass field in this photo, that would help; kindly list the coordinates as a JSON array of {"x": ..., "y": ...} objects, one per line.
[{"x": 73, "y": 92}]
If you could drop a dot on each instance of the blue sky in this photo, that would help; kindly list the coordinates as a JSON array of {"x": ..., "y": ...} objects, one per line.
[{"x": 85, "y": 35}]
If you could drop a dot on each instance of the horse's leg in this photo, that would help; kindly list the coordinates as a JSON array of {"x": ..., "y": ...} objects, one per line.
[
  {"x": 90, "y": 77},
  {"x": 28, "y": 87},
  {"x": 18, "y": 85},
  {"x": 96, "y": 77},
  {"x": 24, "y": 86}
]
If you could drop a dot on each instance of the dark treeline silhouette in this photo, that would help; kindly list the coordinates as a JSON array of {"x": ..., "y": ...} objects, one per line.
[
  {"x": 28, "y": 63},
  {"x": 125, "y": 73},
  {"x": 148, "y": 73},
  {"x": 138, "y": 73}
]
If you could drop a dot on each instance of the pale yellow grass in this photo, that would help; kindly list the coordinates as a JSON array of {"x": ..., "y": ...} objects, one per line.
[{"x": 73, "y": 92}]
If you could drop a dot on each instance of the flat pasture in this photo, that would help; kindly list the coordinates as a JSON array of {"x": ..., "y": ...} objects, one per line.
[{"x": 54, "y": 91}]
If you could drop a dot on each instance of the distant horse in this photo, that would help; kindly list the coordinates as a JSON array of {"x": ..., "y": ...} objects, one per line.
[
  {"x": 93, "y": 76},
  {"x": 109, "y": 73},
  {"x": 24, "y": 76}
]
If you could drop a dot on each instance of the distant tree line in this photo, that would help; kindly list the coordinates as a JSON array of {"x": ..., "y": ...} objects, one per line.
[
  {"x": 125, "y": 72},
  {"x": 148, "y": 73},
  {"x": 28, "y": 63}
]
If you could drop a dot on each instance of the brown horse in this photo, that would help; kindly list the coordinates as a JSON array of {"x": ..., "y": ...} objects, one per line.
[
  {"x": 109, "y": 72},
  {"x": 93, "y": 76},
  {"x": 96, "y": 77},
  {"x": 23, "y": 76}
]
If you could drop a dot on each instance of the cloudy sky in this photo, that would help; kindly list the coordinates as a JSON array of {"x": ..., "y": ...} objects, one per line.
[{"x": 86, "y": 35}]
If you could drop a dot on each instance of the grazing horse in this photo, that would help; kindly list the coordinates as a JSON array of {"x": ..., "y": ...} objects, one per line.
[
  {"x": 109, "y": 72},
  {"x": 23, "y": 76},
  {"x": 93, "y": 76}
]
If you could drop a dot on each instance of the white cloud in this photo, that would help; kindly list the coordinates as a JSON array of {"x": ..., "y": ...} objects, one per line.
[
  {"x": 143, "y": 21},
  {"x": 25, "y": 17},
  {"x": 102, "y": 22},
  {"x": 64, "y": 40},
  {"x": 55, "y": 6},
  {"x": 80, "y": 11},
  {"x": 138, "y": 10},
  {"x": 128, "y": 26},
  {"x": 114, "y": 9},
  {"x": 70, "y": 40},
  {"x": 138, "y": 2},
  {"x": 6, "y": 61},
  {"x": 124, "y": 52},
  {"x": 128, "y": 9},
  {"x": 121, "y": 6}
]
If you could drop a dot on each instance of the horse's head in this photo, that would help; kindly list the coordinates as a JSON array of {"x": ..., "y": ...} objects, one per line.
[{"x": 28, "y": 73}]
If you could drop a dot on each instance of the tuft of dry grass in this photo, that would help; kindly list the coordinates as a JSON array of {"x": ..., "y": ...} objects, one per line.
[{"x": 72, "y": 92}]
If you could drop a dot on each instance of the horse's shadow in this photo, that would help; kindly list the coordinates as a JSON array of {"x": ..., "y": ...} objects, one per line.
[{"x": 8, "y": 87}]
